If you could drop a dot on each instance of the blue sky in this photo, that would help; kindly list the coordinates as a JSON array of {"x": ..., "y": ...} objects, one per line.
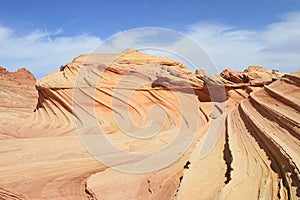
[{"x": 42, "y": 35}]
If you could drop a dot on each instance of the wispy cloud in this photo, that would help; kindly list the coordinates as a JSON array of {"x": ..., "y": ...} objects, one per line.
[
  {"x": 41, "y": 51},
  {"x": 275, "y": 46}
]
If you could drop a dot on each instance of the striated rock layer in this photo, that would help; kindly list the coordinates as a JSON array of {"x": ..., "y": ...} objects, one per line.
[
  {"x": 253, "y": 154},
  {"x": 18, "y": 99}
]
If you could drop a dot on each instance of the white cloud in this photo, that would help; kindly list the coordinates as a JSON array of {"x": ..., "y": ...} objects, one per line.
[
  {"x": 42, "y": 52},
  {"x": 276, "y": 46}
]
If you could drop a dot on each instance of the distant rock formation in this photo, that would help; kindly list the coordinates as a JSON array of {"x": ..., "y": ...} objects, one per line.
[
  {"x": 18, "y": 99},
  {"x": 255, "y": 156},
  {"x": 21, "y": 76},
  {"x": 253, "y": 75}
]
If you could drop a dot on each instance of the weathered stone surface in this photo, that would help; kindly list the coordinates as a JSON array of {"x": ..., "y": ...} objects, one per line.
[{"x": 256, "y": 155}]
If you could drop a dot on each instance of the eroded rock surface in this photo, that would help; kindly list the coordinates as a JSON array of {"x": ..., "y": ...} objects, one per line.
[{"x": 255, "y": 154}]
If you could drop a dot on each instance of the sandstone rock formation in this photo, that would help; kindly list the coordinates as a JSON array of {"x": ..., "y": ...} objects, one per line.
[
  {"x": 18, "y": 99},
  {"x": 142, "y": 103}
]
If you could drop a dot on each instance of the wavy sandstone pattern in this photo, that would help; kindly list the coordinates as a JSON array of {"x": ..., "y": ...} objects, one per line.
[{"x": 42, "y": 157}]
